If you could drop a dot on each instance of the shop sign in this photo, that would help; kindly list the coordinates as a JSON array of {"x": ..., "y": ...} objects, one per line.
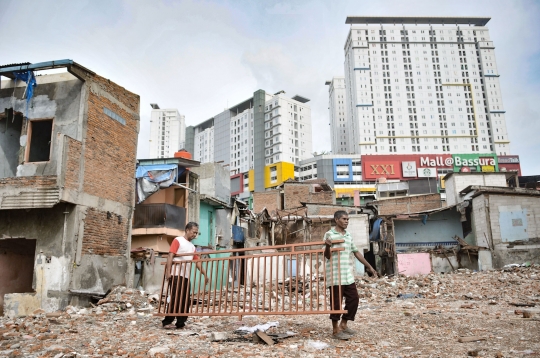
[
  {"x": 464, "y": 162},
  {"x": 382, "y": 169},
  {"x": 508, "y": 160},
  {"x": 427, "y": 172},
  {"x": 437, "y": 161},
  {"x": 488, "y": 168},
  {"x": 409, "y": 169},
  {"x": 457, "y": 161}
]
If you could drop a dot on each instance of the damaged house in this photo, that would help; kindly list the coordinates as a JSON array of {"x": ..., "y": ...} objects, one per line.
[
  {"x": 68, "y": 145},
  {"x": 486, "y": 222}
]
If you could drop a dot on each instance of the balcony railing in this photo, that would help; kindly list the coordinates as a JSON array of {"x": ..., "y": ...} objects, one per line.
[{"x": 159, "y": 215}]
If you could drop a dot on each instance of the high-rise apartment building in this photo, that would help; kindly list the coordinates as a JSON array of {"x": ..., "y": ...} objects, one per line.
[
  {"x": 423, "y": 85},
  {"x": 167, "y": 132},
  {"x": 339, "y": 120},
  {"x": 255, "y": 134}
]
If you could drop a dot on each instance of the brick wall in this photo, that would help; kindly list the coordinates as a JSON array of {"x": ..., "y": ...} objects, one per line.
[
  {"x": 314, "y": 209},
  {"x": 72, "y": 169},
  {"x": 271, "y": 200},
  {"x": 295, "y": 194},
  {"x": 408, "y": 204},
  {"x": 111, "y": 146},
  {"x": 19, "y": 182},
  {"x": 103, "y": 235},
  {"x": 323, "y": 197}
]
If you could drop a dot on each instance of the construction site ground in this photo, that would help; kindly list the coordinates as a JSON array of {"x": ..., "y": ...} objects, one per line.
[{"x": 465, "y": 313}]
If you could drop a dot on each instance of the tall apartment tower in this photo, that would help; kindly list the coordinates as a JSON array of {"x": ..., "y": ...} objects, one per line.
[
  {"x": 260, "y": 131},
  {"x": 339, "y": 120},
  {"x": 423, "y": 84},
  {"x": 167, "y": 132}
]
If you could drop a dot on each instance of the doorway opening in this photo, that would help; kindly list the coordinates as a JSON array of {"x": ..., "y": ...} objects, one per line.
[{"x": 16, "y": 267}]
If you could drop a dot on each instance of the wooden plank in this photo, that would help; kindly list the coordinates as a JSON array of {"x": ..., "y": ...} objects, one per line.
[{"x": 265, "y": 337}]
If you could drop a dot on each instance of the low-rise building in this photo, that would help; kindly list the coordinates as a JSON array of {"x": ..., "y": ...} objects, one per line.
[{"x": 68, "y": 144}]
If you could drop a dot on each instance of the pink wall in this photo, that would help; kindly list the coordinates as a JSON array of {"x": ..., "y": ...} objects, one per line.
[{"x": 414, "y": 264}]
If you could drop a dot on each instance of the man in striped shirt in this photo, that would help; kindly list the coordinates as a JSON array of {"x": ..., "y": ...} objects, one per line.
[{"x": 342, "y": 278}]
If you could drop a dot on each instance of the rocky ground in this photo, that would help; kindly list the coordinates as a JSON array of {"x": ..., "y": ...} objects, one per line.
[{"x": 424, "y": 316}]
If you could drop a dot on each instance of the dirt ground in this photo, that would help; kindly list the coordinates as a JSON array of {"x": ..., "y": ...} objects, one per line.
[{"x": 397, "y": 317}]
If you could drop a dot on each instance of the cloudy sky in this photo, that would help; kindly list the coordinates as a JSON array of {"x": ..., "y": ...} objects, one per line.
[{"x": 202, "y": 56}]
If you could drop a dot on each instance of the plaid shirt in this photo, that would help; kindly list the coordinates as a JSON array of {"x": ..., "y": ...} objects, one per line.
[{"x": 345, "y": 262}]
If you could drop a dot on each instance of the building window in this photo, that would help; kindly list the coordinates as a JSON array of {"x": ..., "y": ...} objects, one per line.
[{"x": 40, "y": 137}]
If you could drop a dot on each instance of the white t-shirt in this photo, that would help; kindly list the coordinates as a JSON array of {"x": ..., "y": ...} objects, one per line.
[{"x": 182, "y": 246}]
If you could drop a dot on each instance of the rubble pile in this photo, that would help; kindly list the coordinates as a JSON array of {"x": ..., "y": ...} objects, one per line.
[
  {"x": 496, "y": 286},
  {"x": 490, "y": 314},
  {"x": 307, "y": 292},
  {"x": 121, "y": 298}
]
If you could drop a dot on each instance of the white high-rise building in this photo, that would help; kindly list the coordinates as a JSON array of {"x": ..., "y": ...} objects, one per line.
[
  {"x": 167, "y": 132},
  {"x": 287, "y": 133},
  {"x": 423, "y": 84},
  {"x": 339, "y": 120}
]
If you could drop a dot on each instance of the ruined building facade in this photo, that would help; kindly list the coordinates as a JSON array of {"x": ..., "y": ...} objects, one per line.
[{"x": 67, "y": 163}]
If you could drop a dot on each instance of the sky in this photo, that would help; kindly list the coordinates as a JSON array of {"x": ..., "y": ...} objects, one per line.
[{"x": 204, "y": 56}]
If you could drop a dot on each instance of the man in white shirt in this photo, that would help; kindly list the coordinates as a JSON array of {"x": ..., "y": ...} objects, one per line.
[{"x": 179, "y": 273}]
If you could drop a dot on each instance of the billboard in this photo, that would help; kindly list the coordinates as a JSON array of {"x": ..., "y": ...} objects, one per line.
[
  {"x": 401, "y": 166},
  {"x": 409, "y": 166}
]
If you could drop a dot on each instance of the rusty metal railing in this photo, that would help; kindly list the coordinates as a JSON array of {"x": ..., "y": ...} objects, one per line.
[{"x": 271, "y": 280}]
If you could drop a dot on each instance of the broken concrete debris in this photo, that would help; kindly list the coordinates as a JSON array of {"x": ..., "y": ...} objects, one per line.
[{"x": 432, "y": 327}]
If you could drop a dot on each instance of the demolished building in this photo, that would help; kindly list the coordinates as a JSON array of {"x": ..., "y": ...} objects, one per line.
[
  {"x": 486, "y": 225},
  {"x": 68, "y": 145}
]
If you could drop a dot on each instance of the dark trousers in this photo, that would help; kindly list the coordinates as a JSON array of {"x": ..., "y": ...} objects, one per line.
[
  {"x": 350, "y": 293},
  {"x": 179, "y": 300}
]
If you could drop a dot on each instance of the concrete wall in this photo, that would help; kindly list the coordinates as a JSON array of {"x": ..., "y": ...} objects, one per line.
[
  {"x": 223, "y": 226},
  {"x": 56, "y": 96},
  {"x": 214, "y": 180},
  {"x": 511, "y": 224},
  {"x": 459, "y": 181}
]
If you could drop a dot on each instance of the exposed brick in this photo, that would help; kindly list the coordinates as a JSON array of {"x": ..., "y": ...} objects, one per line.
[
  {"x": 104, "y": 235},
  {"x": 295, "y": 194},
  {"x": 46, "y": 181},
  {"x": 111, "y": 147},
  {"x": 271, "y": 200},
  {"x": 72, "y": 169},
  {"x": 408, "y": 204}
]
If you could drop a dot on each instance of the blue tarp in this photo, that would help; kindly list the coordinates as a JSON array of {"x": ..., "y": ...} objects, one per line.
[
  {"x": 142, "y": 170},
  {"x": 237, "y": 233},
  {"x": 375, "y": 234},
  {"x": 151, "y": 178},
  {"x": 29, "y": 78}
]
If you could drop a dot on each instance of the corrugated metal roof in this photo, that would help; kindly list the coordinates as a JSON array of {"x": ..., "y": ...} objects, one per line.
[{"x": 37, "y": 198}]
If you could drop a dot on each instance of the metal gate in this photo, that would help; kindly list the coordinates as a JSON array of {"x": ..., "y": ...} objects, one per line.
[{"x": 270, "y": 280}]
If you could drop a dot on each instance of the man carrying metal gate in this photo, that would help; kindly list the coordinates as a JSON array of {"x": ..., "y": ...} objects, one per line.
[
  {"x": 277, "y": 280},
  {"x": 340, "y": 278},
  {"x": 178, "y": 275}
]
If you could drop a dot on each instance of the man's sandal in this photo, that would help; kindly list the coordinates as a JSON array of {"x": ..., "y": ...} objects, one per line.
[{"x": 341, "y": 335}]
